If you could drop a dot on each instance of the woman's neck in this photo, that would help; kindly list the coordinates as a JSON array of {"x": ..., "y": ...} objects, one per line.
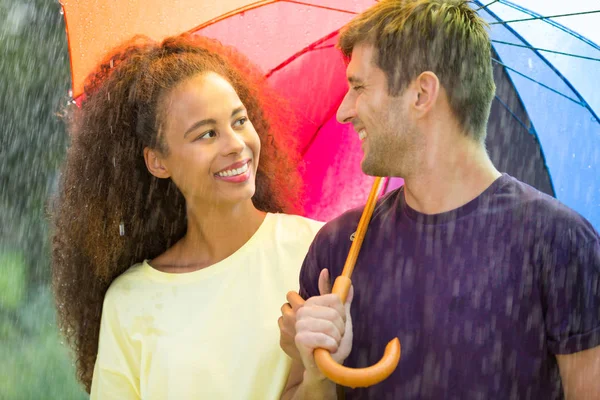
[{"x": 213, "y": 234}]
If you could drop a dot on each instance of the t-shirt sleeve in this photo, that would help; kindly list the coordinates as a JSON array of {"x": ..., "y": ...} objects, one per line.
[
  {"x": 572, "y": 298},
  {"x": 311, "y": 268},
  {"x": 115, "y": 375}
]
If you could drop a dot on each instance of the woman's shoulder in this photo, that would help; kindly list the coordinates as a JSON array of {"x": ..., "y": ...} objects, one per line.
[
  {"x": 291, "y": 231},
  {"x": 127, "y": 283},
  {"x": 302, "y": 225}
]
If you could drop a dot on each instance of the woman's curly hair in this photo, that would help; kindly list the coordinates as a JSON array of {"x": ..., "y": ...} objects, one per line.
[{"x": 110, "y": 212}]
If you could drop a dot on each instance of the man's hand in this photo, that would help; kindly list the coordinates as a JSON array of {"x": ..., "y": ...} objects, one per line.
[{"x": 323, "y": 322}]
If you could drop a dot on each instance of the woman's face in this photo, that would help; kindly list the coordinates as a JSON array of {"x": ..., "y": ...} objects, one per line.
[{"x": 213, "y": 149}]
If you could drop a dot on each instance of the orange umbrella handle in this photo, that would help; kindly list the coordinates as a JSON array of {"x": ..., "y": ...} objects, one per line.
[{"x": 359, "y": 377}]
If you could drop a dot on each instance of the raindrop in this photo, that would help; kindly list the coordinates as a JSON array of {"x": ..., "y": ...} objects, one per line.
[
  {"x": 122, "y": 229},
  {"x": 61, "y": 11},
  {"x": 70, "y": 93}
]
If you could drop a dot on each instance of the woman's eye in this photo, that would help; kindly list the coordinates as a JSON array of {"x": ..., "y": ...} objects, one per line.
[
  {"x": 241, "y": 121},
  {"x": 207, "y": 135},
  {"x": 357, "y": 88}
]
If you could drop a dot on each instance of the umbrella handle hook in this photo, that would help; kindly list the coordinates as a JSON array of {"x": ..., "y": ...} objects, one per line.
[{"x": 358, "y": 377}]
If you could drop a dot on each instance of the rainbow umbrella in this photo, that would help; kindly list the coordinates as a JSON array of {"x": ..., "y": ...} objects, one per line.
[
  {"x": 544, "y": 127},
  {"x": 292, "y": 41}
]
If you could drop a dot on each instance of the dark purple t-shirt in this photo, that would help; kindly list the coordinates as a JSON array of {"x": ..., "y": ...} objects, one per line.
[{"x": 481, "y": 297}]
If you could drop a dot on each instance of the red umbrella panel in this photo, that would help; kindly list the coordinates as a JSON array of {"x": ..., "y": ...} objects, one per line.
[{"x": 293, "y": 42}]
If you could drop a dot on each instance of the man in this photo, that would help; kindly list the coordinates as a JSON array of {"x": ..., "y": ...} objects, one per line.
[{"x": 492, "y": 287}]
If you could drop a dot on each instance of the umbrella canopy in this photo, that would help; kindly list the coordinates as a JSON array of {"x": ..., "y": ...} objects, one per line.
[{"x": 544, "y": 127}]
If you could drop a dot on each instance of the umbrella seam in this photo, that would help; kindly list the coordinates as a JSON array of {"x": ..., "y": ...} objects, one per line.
[
  {"x": 329, "y": 115},
  {"x": 532, "y": 132},
  {"x": 529, "y": 130},
  {"x": 240, "y": 10},
  {"x": 552, "y": 22},
  {"x": 301, "y": 52},
  {"x": 546, "y": 50},
  {"x": 545, "y": 18},
  {"x": 565, "y": 80},
  {"x": 319, "y": 6},
  {"x": 539, "y": 83}
]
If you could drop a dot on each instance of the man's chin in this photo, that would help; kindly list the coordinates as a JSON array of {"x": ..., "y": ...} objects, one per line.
[{"x": 372, "y": 167}]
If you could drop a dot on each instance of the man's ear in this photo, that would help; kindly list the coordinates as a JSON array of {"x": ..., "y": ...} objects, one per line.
[
  {"x": 427, "y": 86},
  {"x": 154, "y": 163}
]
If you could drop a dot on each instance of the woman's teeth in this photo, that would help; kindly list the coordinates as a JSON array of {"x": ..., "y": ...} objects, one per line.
[
  {"x": 234, "y": 172},
  {"x": 362, "y": 134}
]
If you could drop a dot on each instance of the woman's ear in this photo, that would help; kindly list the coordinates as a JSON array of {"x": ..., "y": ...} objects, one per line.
[{"x": 155, "y": 164}]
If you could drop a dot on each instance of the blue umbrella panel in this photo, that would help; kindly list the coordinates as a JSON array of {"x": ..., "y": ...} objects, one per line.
[{"x": 544, "y": 127}]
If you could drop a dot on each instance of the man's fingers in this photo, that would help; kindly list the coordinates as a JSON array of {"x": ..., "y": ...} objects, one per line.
[
  {"x": 350, "y": 296},
  {"x": 329, "y": 300},
  {"x": 324, "y": 282},
  {"x": 314, "y": 340},
  {"x": 334, "y": 329}
]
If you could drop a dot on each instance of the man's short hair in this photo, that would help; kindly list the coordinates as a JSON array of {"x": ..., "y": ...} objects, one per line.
[{"x": 446, "y": 37}]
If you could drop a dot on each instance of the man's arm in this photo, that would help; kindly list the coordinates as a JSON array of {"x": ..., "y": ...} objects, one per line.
[
  {"x": 580, "y": 374},
  {"x": 298, "y": 387},
  {"x": 572, "y": 316},
  {"x": 321, "y": 322}
]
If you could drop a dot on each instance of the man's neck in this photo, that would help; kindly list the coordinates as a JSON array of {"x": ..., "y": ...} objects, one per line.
[{"x": 450, "y": 177}]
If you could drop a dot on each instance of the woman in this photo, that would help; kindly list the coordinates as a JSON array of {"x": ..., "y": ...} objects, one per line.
[{"x": 171, "y": 254}]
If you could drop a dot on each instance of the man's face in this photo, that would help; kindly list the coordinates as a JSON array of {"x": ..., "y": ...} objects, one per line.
[{"x": 382, "y": 121}]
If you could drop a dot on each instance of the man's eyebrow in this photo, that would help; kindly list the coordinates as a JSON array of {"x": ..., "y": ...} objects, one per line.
[{"x": 354, "y": 80}]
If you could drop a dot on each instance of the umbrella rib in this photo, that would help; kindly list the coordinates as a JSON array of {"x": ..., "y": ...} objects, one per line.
[
  {"x": 487, "y": 5},
  {"x": 541, "y": 17},
  {"x": 240, "y": 10},
  {"x": 539, "y": 83},
  {"x": 319, "y": 6},
  {"x": 548, "y": 21},
  {"x": 330, "y": 114},
  {"x": 328, "y": 46},
  {"x": 513, "y": 114},
  {"x": 301, "y": 52},
  {"x": 532, "y": 132},
  {"x": 546, "y": 50}
]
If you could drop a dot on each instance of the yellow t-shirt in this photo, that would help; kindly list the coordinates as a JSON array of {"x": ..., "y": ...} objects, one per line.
[{"x": 208, "y": 334}]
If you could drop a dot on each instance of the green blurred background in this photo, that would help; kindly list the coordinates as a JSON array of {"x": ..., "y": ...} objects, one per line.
[{"x": 34, "y": 85}]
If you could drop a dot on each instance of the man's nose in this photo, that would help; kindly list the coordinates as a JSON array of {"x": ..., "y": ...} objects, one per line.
[{"x": 346, "y": 111}]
